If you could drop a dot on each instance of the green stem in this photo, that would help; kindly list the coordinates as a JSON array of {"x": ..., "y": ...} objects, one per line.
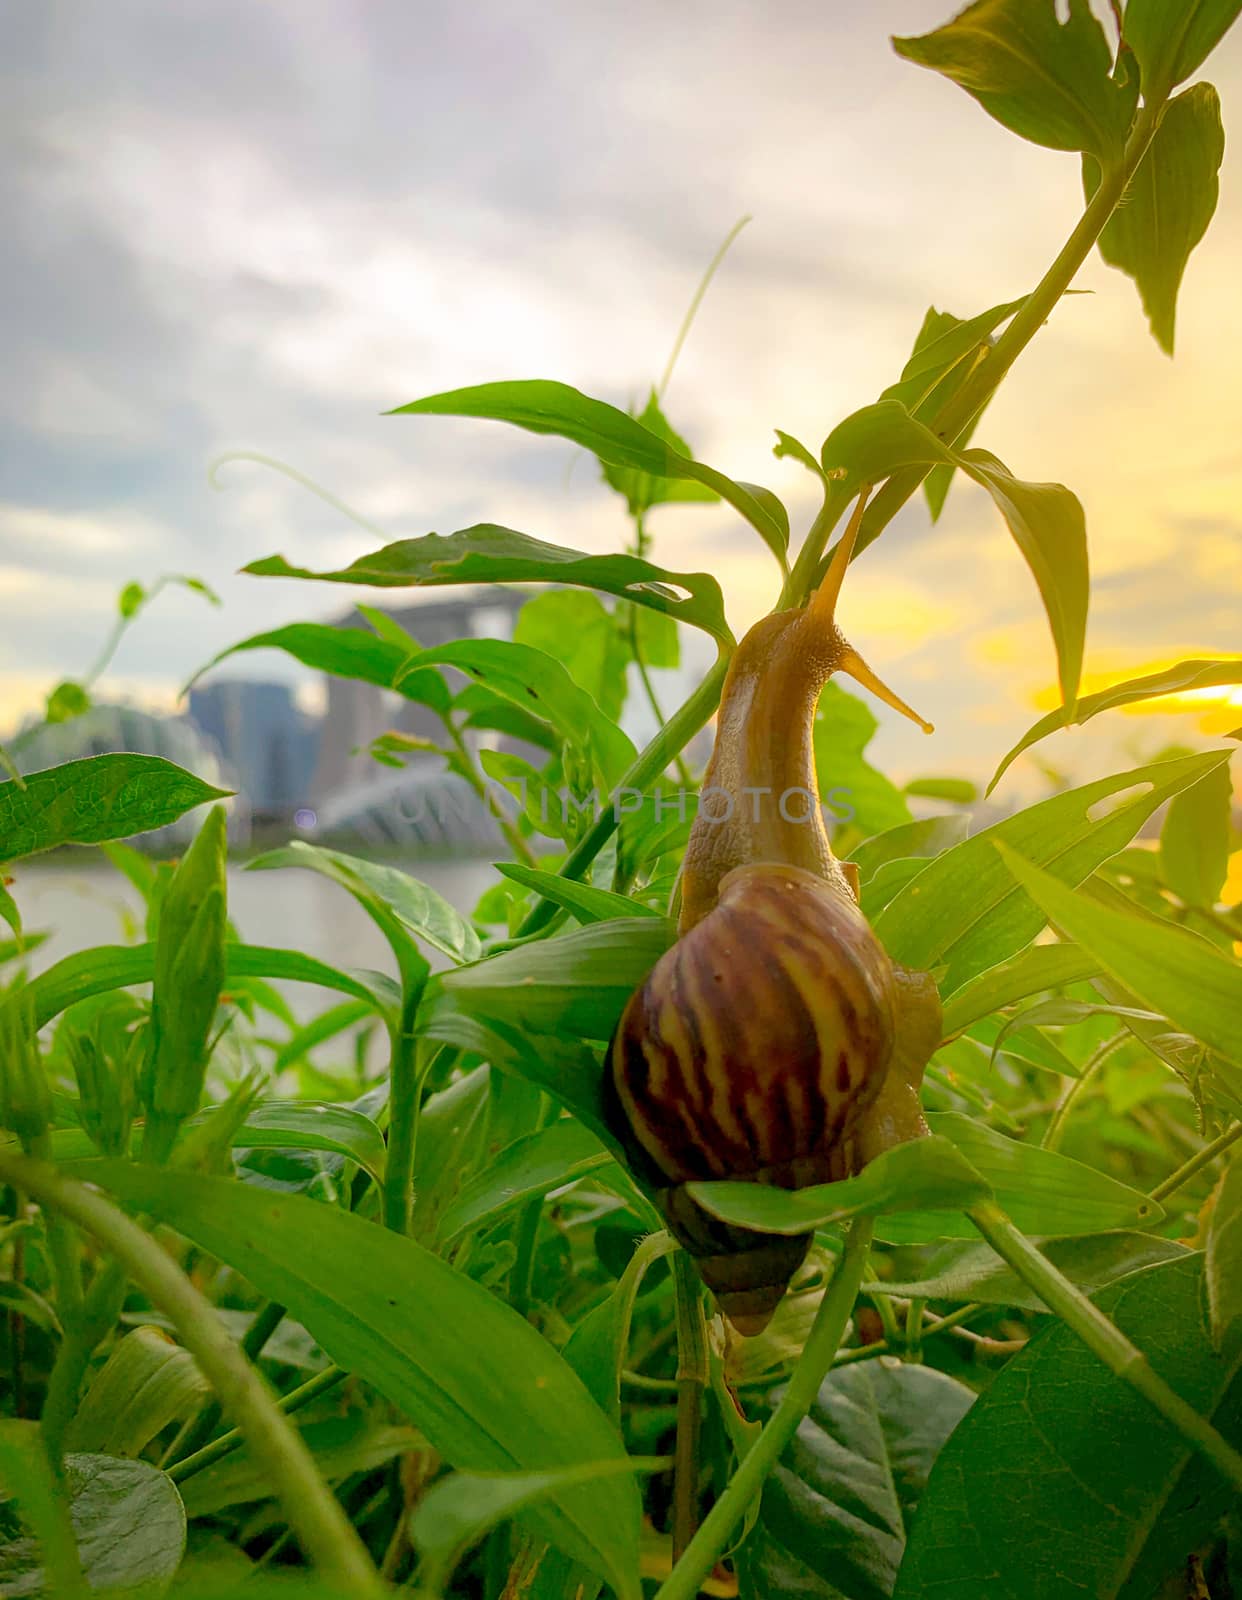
[
  {"x": 683, "y": 771},
  {"x": 1057, "y": 1123},
  {"x": 882, "y": 1347},
  {"x": 278, "y": 1449},
  {"x": 672, "y": 737},
  {"x": 1104, "y": 1339},
  {"x": 199, "y": 1428},
  {"x": 404, "y": 1094},
  {"x": 96, "y": 1315},
  {"x": 1202, "y": 1158},
  {"x": 692, "y": 1374},
  {"x": 804, "y": 1382},
  {"x": 189, "y": 1465},
  {"x": 521, "y": 847}
]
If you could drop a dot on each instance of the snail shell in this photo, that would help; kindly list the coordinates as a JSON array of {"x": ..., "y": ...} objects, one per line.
[{"x": 753, "y": 1052}]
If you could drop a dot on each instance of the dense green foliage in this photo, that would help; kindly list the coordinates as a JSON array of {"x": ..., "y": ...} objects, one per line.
[{"x": 374, "y": 1298}]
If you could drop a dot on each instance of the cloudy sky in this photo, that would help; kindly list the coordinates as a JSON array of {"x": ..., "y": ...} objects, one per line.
[{"x": 231, "y": 226}]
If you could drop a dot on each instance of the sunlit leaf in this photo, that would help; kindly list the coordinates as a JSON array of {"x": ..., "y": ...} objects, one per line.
[
  {"x": 1168, "y": 204},
  {"x": 1043, "y": 79},
  {"x": 1195, "y": 838},
  {"x": 874, "y": 442},
  {"x": 1224, "y": 1251},
  {"x": 1184, "y": 678},
  {"x": 642, "y": 490},
  {"x": 1172, "y": 42}
]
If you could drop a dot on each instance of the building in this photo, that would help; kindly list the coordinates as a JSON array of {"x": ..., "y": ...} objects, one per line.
[{"x": 267, "y": 742}]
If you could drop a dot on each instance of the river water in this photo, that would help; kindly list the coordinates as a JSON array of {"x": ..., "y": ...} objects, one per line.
[{"x": 87, "y": 902}]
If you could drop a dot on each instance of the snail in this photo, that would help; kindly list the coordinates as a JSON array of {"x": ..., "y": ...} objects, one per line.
[{"x": 775, "y": 1041}]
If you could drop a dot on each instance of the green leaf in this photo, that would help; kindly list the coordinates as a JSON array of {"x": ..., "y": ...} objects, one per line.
[
  {"x": 385, "y": 893},
  {"x": 573, "y": 626},
  {"x": 964, "y": 910},
  {"x": 1048, "y": 527},
  {"x": 787, "y": 445},
  {"x": 615, "y": 437},
  {"x": 944, "y": 342},
  {"x": 390, "y": 1311},
  {"x": 26, "y": 1475},
  {"x": 920, "y": 1175},
  {"x": 106, "y": 967},
  {"x": 100, "y": 797},
  {"x": 1063, "y": 1480},
  {"x": 965, "y": 1270},
  {"x": 9, "y": 912},
  {"x": 1171, "y": 970},
  {"x": 642, "y": 490},
  {"x": 1173, "y": 42},
  {"x": 130, "y": 1528},
  {"x": 1224, "y": 1251},
  {"x": 345, "y": 653},
  {"x": 487, "y": 553},
  {"x": 575, "y": 985},
  {"x": 1043, "y": 966},
  {"x": 872, "y": 443},
  {"x": 1195, "y": 838},
  {"x": 1185, "y": 677},
  {"x": 147, "y": 1382},
  {"x": 850, "y": 787},
  {"x": 837, "y": 1510},
  {"x": 1045, "y": 80},
  {"x": 908, "y": 840},
  {"x": 1168, "y": 204},
  {"x": 581, "y": 900},
  {"x": 458, "y": 1510},
  {"x": 532, "y": 1166},
  {"x": 66, "y": 701},
  {"x": 313, "y": 1125},
  {"x": 958, "y": 791},
  {"x": 538, "y": 683}
]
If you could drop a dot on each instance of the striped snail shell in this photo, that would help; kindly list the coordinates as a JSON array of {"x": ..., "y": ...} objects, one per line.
[{"x": 752, "y": 1052}]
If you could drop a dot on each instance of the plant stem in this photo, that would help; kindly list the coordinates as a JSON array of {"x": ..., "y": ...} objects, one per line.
[
  {"x": 816, "y": 1358},
  {"x": 1055, "y": 1131},
  {"x": 636, "y": 650},
  {"x": 868, "y": 1352},
  {"x": 189, "y": 1465},
  {"x": 691, "y": 1382},
  {"x": 199, "y": 1428},
  {"x": 278, "y": 1449},
  {"x": 521, "y": 847},
  {"x": 404, "y": 1094},
  {"x": 1202, "y": 1158},
  {"x": 97, "y": 1313},
  {"x": 1104, "y": 1339},
  {"x": 650, "y": 763}
]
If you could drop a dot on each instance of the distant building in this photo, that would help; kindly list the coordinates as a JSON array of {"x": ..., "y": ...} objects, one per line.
[{"x": 269, "y": 744}]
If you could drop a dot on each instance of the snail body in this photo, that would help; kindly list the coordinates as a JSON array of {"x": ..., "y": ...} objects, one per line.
[{"x": 775, "y": 1042}]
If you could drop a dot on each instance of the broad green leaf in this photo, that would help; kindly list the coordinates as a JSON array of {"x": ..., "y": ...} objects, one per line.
[
  {"x": 527, "y": 1169},
  {"x": 1170, "y": 969},
  {"x": 147, "y": 1382},
  {"x": 487, "y": 710},
  {"x": 97, "y": 798},
  {"x": 574, "y": 627},
  {"x": 314, "y": 1125},
  {"x": 884, "y": 884},
  {"x": 1048, "y": 527},
  {"x": 575, "y": 985},
  {"x": 1195, "y": 838},
  {"x": 597, "y": 1347},
  {"x": 943, "y": 343},
  {"x": 920, "y": 1175},
  {"x": 452, "y": 1138},
  {"x": 488, "y": 553},
  {"x": 345, "y": 653},
  {"x": 964, "y": 911},
  {"x": 458, "y": 1510},
  {"x": 106, "y": 967},
  {"x": 385, "y": 891},
  {"x": 850, "y": 788},
  {"x": 874, "y": 442},
  {"x": 1171, "y": 42},
  {"x": 1181, "y": 679},
  {"x": 616, "y": 438},
  {"x": 130, "y": 1527},
  {"x": 1043, "y": 79},
  {"x": 659, "y": 643},
  {"x": 971, "y": 1270},
  {"x": 390, "y": 1311},
  {"x": 641, "y": 490},
  {"x": 538, "y": 683},
  {"x": 1043, "y": 966},
  {"x": 12, "y": 949},
  {"x": 581, "y": 900},
  {"x": 1168, "y": 205},
  {"x": 909, "y": 840},
  {"x": 1224, "y": 1251},
  {"x": 958, "y": 791},
  {"x": 9, "y": 912},
  {"x": 1063, "y": 1480},
  {"x": 838, "y": 1508}
]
